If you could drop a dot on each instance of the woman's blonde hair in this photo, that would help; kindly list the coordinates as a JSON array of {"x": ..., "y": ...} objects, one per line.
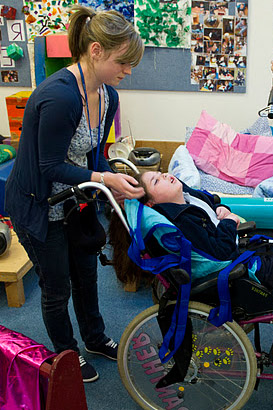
[{"x": 109, "y": 28}]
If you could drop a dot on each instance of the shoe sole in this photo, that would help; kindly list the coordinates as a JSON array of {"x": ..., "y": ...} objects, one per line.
[
  {"x": 93, "y": 379},
  {"x": 102, "y": 354}
]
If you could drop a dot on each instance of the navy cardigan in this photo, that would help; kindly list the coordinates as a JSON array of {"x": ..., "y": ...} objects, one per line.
[{"x": 51, "y": 117}]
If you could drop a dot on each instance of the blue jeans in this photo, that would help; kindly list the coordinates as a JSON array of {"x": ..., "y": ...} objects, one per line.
[{"x": 60, "y": 268}]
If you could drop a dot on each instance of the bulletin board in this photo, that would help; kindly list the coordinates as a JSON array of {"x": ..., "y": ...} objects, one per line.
[
  {"x": 14, "y": 73},
  {"x": 212, "y": 56},
  {"x": 215, "y": 62},
  {"x": 219, "y": 35},
  {"x": 162, "y": 69}
]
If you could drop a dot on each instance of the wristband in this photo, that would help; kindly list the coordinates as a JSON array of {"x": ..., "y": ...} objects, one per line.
[{"x": 102, "y": 178}]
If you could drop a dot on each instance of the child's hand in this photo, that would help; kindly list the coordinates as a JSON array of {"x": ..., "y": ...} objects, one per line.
[
  {"x": 222, "y": 212},
  {"x": 234, "y": 218}
]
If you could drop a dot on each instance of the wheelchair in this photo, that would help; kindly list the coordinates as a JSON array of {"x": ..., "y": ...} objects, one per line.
[{"x": 224, "y": 367}]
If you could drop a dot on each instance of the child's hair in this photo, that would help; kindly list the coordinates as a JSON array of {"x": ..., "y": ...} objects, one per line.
[
  {"x": 126, "y": 270},
  {"x": 109, "y": 28}
]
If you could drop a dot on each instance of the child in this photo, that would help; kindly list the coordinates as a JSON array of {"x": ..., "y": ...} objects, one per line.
[{"x": 210, "y": 228}]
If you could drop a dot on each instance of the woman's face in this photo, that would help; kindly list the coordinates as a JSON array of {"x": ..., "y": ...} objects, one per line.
[
  {"x": 109, "y": 70},
  {"x": 163, "y": 188}
]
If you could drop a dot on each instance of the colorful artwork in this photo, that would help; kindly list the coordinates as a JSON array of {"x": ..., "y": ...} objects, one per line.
[
  {"x": 14, "y": 55},
  {"x": 46, "y": 16},
  {"x": 125, "y": 7},
  {"x": 163, "y": 23},
  {"x": 219, "y": 44}
]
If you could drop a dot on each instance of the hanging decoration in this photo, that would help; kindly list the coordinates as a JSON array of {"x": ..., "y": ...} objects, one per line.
[
  {"x": 8, "y": 12},
  {"x": 14, "y": 51},
  {"x": 14, "y": 56},
  {"x": 219, "y": 45}
]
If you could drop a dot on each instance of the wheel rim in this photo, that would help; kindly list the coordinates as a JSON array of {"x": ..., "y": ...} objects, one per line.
[{"x": 218, "y": 376}]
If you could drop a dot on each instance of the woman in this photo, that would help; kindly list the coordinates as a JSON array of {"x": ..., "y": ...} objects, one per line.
[
  {"x": 210, "y": 228},
  {"x": 66, "y": 124}
]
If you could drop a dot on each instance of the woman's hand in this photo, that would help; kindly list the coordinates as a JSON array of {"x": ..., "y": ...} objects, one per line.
[
  {"x": 118, "y": 197},
  {"x": 222, "y": 212},
  {"x": 123, "y": 186}
]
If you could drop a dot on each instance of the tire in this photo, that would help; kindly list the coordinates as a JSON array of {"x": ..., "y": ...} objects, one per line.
[{"x": 222, "y": 373}]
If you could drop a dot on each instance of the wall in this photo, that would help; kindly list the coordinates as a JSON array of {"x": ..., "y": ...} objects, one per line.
[
  {"x": 164, "y": 115},
  {"x": 155, "y": 115}
]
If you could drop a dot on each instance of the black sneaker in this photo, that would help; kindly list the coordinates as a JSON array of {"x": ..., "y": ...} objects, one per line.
[
  {"x": 108, "y": 349},
  {"x": 89, "y": 374}
]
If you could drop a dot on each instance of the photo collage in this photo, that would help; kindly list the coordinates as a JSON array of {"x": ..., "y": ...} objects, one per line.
[{"x": 219, "y": 44}]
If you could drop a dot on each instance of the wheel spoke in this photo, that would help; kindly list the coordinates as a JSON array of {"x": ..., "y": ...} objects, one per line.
[{"x": 222, "y": 373}]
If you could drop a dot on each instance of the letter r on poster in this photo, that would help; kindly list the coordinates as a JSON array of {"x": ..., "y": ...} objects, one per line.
[{"x": 16, "y": 31}]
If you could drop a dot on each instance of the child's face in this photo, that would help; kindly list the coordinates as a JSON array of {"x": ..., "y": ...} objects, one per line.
[{"x": 163, "y": 188}]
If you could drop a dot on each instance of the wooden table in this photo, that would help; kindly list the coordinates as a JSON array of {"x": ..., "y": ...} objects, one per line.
[{"x": 14, "y": 264}]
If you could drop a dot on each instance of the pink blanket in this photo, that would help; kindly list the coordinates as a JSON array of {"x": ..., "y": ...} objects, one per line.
[{"x": 218, "y": 150}]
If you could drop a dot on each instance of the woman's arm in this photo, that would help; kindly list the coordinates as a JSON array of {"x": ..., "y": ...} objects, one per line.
[
  {"x": 60, "y": 112},
  {"x": 110, "y": 115}
]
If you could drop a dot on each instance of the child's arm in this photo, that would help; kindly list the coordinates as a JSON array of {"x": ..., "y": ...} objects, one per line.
[{"x": 219, "y": 243}]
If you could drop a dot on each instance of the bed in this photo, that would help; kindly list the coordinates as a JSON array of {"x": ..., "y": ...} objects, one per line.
[{"x": 251, "y": 198}]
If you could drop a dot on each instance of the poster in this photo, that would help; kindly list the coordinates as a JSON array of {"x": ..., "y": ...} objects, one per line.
[
  {"x": 125, "y": 7},
  {"x": 163, "y": 23},
  {"x": 46, "y": 17},
  {"x": 219, "y": 44}
]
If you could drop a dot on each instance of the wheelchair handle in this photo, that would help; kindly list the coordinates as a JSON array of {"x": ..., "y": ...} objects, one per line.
[
  {"x": 73, "y": 191},
  {"x": 61, "y": 196}
]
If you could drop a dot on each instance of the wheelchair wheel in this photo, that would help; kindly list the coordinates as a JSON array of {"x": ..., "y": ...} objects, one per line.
[{"x": 221, "y": 375}]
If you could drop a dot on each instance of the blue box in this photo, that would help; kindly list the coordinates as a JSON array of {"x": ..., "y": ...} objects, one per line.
[{"x": 5, "y": 170}]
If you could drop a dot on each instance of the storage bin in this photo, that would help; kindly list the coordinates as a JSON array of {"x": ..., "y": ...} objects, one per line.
[{"x": 15, "y": 106}]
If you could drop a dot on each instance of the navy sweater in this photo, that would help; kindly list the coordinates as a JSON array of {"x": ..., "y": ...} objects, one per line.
[
  {"x": 51, "y": 117},
  {"x": 196, "y": 225}
]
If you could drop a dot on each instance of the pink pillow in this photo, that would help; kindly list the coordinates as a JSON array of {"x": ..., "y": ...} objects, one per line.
[{"x": 222, "y": 152}]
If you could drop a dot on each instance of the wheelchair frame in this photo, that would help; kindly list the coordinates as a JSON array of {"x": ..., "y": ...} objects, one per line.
[{"x": 138, "y": 359}]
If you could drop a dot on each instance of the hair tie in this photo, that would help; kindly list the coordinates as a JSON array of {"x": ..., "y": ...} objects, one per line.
[{"x": 88, "y": 19}]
